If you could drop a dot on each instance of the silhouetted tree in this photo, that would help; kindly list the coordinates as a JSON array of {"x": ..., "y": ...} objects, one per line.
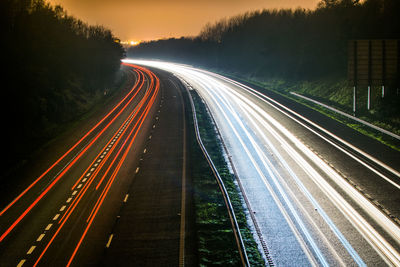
[
  {"x": 53, "y": 65},
  {"x": 293, "y": 44}
]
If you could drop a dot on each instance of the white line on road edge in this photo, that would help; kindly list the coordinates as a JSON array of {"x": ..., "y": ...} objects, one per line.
[
  {"x": 348, "y": 116},
  {"x": 269, "y": 101},
  {"x": 381, "y": 246},
  {"x": 235, "y": 226}
]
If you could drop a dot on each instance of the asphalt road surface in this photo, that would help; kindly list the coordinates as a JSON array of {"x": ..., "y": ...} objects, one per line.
[
  {"x": 151, "y": 229},
  {"x": 323, "y": 194},
  {"x": 73, "y": 199}
]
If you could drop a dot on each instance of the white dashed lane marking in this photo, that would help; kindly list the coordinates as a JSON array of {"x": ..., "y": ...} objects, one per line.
[
  {"x": 109, "y": 241},
  {"x": 31, "y": 250},
  {"x": 79, "y": 186},
  {"x": 40, "y": 238}
]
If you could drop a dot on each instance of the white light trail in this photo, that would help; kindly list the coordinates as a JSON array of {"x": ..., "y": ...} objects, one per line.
[{"x": 248, "y": 124}]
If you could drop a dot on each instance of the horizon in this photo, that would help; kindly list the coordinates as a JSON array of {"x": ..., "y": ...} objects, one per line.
[{"x": 170, "y": 19}]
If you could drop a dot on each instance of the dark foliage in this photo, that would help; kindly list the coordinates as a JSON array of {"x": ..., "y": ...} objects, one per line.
[
  {"x": 291, "y": 44},
  {"x": 53, "y": 67}
]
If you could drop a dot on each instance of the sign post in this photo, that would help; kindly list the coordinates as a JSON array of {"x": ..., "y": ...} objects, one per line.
[{"x": 373, "y": 63}]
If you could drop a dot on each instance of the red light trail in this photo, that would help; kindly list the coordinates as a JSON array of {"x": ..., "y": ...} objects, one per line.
[{"x": 139, "y": 100}]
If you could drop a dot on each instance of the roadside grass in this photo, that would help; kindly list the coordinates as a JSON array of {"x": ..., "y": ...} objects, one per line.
[
  {"x": 216, "y": 242},
  {"x": 336, "y": 93}
]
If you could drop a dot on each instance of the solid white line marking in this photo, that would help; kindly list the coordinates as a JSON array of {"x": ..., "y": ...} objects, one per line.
[
  {"x": 31, "y": 250},
  {"x": 40, "y": 237}
]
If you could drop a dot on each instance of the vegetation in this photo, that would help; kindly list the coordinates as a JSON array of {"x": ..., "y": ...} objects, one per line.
[
  {"x": 336, "y": 93},
  {"x": 55, "y": 67},
  {"x": 294, "y": 44},
  {"x": 299, "y": 48},
  {"x": 216, "y": 243}
]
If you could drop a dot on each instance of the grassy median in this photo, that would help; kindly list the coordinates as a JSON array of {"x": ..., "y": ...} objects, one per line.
[{"x": 216, "y": 242}]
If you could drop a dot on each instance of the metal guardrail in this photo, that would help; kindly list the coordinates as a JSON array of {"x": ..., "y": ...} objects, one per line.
[
  {"x": 231, "y": 212},
  {"x": 264, "y": 246},
  {"x": 348, "y": 116}
]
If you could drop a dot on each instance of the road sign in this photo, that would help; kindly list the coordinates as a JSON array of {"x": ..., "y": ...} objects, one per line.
[{"x": 373, "y": 63}]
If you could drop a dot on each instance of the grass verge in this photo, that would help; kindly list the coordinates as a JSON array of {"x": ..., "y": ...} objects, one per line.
[
  {"x": 335, "y": 93},
  {"x": 216, "y": 242}
]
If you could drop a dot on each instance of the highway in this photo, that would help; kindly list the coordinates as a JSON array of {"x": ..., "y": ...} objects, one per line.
[
  {"x": 322, "y": 194},
  {"x": 68, "y": 206}
]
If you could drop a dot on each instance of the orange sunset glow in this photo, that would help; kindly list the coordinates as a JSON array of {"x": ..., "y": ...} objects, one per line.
[{"x": 156, "y": 19}]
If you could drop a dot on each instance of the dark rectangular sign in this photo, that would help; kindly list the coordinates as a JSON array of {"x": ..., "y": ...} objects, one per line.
[{"x": 373, "y": 62}]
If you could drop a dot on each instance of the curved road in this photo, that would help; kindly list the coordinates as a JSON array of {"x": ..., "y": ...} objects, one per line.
[
  {"x": 323, "y": 195},
  {"x": 50, "y": 220}
]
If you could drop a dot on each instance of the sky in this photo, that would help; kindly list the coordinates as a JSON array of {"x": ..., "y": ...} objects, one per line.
[{"x": 144, "y": 20}]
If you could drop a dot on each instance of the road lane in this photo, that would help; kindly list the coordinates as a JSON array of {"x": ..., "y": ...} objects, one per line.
[
  {"x": 48, "y": 223},
  {"x": 306, "y": 206},
  {"x": 151, "y": 229}
]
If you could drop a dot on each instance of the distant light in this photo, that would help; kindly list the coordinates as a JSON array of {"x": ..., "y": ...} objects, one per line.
[{"x": 130, "y": 43}]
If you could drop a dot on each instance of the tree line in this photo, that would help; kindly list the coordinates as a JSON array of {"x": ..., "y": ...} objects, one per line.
[
  {"x": 294, "y": 44},
  {"x": 53, "y": 67}
]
